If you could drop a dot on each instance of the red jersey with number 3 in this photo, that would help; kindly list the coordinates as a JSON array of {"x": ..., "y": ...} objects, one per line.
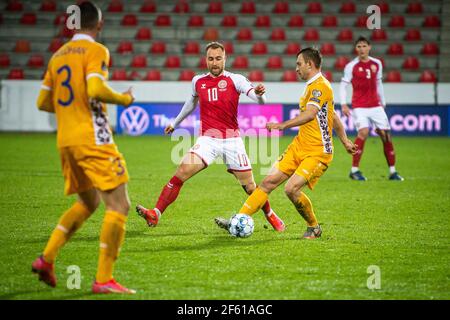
[
  {"x": 364, "y": 77},
  {"x": 219, "y": 100}
]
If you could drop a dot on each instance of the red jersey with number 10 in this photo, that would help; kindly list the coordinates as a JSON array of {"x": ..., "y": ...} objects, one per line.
[
  {"x": 219, "y": 100},
  {"x": 364, "y": 77}
]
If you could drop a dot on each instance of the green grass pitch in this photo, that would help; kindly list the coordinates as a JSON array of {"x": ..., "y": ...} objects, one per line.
[{"x": 401, "y": 227}]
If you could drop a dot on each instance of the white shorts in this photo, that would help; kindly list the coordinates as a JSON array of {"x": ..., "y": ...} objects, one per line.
[
  {"x": 231, "y": 151},
  {"x": 363, "y": 117}
]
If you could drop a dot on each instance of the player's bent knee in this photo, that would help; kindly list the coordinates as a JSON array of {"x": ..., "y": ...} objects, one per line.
[{"x": 292, "y": 191}]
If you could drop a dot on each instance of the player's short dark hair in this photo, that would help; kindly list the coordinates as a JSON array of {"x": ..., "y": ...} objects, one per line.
[
  {"x": 214, "y": 45},
  {"x": 90, "y": 15},
  {"x": 362, "y": 39},
  {"x": 311, "y": 54}
]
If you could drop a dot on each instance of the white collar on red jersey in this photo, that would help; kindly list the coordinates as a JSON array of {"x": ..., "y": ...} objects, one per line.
[
  {"x": 314, "y": 78},
  {"x": 82, "y": 36}
]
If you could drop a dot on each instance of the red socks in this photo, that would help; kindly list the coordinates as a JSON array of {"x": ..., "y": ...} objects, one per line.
[
  {"x": 169, "y": 193},
  {"x": 266, "y": 207},
  {"x": 389, "y": 153},
  {"x": 357, "y": 157}
]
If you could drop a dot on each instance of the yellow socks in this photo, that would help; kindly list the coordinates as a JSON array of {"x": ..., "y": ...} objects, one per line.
[
  {"x": 254, "y": 202},
  {"x": 304, "y": 207},
  {"x": 111, "y": 238},
  {"x": 70, "y": 222}
]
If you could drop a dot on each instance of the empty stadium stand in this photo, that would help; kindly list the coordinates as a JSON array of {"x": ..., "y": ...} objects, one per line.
[{"x": 155, "y": 40}]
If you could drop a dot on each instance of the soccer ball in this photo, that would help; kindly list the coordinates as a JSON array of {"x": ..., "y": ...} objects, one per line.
[{"x": 241, "y": 225}]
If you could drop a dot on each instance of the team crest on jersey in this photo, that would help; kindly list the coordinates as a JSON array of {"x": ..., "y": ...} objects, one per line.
[
  {"x": 360, "y": 69},
  {"x": 316, "y": 93},
  {"x": 222, "y": 84},
  {"x": 203, "y": 85},
  {"x": 373, "y": 68}
]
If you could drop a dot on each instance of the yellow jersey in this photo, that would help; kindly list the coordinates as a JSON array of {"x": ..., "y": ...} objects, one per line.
[
  {"x": 315, "y": 137},
  {"x": 80, "y": 120}
]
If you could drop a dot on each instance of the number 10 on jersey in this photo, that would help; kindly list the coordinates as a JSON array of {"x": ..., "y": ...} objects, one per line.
[{"x": 212, "y": 94}]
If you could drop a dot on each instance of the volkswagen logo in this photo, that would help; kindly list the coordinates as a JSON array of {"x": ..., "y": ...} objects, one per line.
[{"x": 134, "y": 120}]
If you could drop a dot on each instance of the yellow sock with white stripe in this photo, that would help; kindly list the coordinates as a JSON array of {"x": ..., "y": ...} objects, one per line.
[
  {"x": 111, "y": 238},
  {"x": 254, "y": 202},
  {"x": 69, "y": 222}
]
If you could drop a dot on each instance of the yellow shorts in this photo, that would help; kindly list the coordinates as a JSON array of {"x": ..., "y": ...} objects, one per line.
[
  {"x": 90, "y": 166},
  {"x": 311, "y": 166}
]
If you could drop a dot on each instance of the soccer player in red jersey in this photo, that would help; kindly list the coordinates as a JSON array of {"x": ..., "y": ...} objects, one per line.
[
  {"x": 368, "y": 104},
  {"x": 218, "y": 93}
]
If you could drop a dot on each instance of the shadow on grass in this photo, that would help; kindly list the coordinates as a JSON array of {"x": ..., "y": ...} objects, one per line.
[{"x": 76, "y": 238}]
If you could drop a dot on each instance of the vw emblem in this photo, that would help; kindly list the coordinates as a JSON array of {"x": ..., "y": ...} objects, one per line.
[{"x": 134, "y": 120}]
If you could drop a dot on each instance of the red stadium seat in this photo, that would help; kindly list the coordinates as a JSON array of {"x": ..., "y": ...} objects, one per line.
[
  {"x": 432, "y": 22},
  {"x": 428, "y": 76},
  {"x": 110, "y": 61},
  {"x": 163, "y": 21},
  {"x": 345, "y": 35},
  {"x": 292, "y": 48},
  {"x": 4, "y": 60},
  {"x": 256, "y": 76},
  {"x": 361, "y": 22},
  {"x": 65, "y": 32},
  {"x": 22, "y": 46},
  {"x": 393, "y": 76},
  {"x": 134, "y": 76},
  {"x": 186, "y": 75},
  {"x": 411, "y": 63},
  {"x": 395, "y": 49},
  {"x": 60, "y": 19},
  {"x": 295, "y": 21},
  {"x": 414, "y": 7},
  {"x": 48, "y": 6},
  {"x": 55, "y": 44},
  {"x": 129, "y": 20},
  {"x": 240, "y": 62},
  {"x": 202, "y": 63},
  {"x": 430, "y": 49},
  {"x": 397, "y": 22},
  {"x": 14, "y": 5},
  {"x": 115, "y": 6},
  {"x": 139, "y": 61},
  {"x": 16, "y": 74},
  {"x": 192, "y": 47},
  {"x": 289, "y": 76},
  {"x": 125, "y": 47},
  {"x": 328, "y": 49},
  {"x": 172, "y": 62},
  {"x": 314, "y": 7},
  {"x": 329, "y": 21},
  {"x": 144, "y": 33},
  {"x": 229, "y": 21},
  {"x": 379, "y": 35},
  {"x": 413, "y": 35},
  {"x": 229, "y": 47},
  {"x": 196, "y": 21},
  {"x": 278, "y": 34},
  {"x": 182, "y": 6},
  {"x": 211, "y": 34},
  {"x": 119, "y": 75},
  {"x": 248, "y": 7},
  {"x": 262, "y": 22},
  {"x": 153, "y": 75},
  {"x": 384, "y": 7},
  {"x": 328, "y": 75},
  {"x": 148, "y": 6},
  {"x": 259, "y": 48},
  {"x": 281, "y": 7},
  {"x": 341, "y": 62},
  {"x": 28, "y": 19},
  {"x": 158, "y": 47},
  {"x": 348, "y": 7},
  {"x": 36, "y": 61},
  {"x": 244, "y": 34},
  {"x": 215, "y": 7},
  {"x": 274, "y": 62},
  {"x": 311, "y": 35}
]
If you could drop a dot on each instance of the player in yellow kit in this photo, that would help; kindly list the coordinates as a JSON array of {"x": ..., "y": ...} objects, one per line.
[
  {"x": 311, "y": 151},
  {"x": 75, "y": 89}
]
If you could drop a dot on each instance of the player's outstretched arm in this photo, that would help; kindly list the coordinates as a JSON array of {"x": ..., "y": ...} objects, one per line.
[
  {"x": 188, "y": 107},
  {"x": 98, "y": 89},
  {"x": 44, "y": 101},
  {"x": 340, "y": 131},
  {"x": 304, "y": 117}
]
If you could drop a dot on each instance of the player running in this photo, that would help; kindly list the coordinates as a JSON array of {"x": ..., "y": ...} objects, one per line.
[
  {"x": 75, "y": 89},
  {"x": 218, "y": 93},
  {"x": 311, "y": 151},
  {"x": 368, "y": 104}
]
